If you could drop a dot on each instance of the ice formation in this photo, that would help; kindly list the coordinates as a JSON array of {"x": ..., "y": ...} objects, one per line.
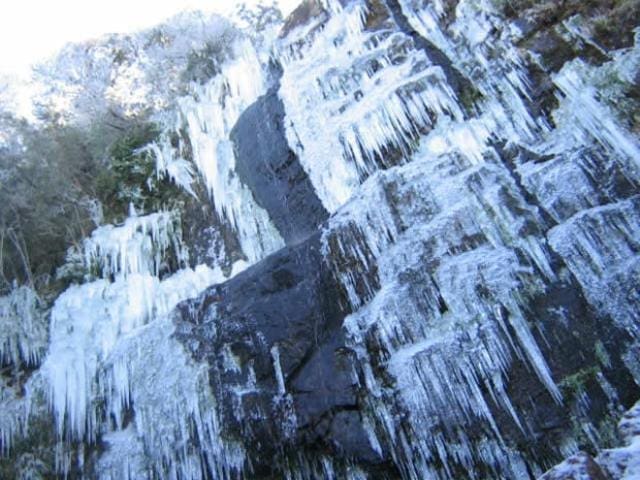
[
  {"x": 210, "y": 113},
  {"x": 13, "y": 419},
  {"x": 440, "y": 335},
  {"x": 105, "y": 335},
  {"x": 181, "y": 429},
  {"x": 589, "y": 117},
  {"x": 489, "y": 59},
  {"x": 448, "y": 208},
  {"x": 86, "y": 323},
  {"x": 139, "y": 246},
  {"x": 369, "y": 92},
  {"x": 600, "y": 245},
  {"x": 23, "y": 344},
  {"x": 170, "y": 164}
]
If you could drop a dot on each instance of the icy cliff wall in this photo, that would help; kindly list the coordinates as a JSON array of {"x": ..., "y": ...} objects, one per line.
[{"x": 423, "y": 263}]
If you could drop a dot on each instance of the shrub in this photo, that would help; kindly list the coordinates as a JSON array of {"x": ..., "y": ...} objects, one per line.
[{"x": 131, "y": 178}]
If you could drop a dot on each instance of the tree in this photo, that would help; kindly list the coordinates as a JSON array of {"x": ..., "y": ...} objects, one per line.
[{"x": 45, "y": 201}]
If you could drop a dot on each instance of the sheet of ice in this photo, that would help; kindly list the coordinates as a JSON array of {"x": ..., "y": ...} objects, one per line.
[
  {"x": 124, "y": 457},
  {"x": 175, "y": 423},
  {"x": 87, "y": 322}
]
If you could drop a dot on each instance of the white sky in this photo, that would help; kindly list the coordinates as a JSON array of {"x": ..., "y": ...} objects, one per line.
[{"x": 31, "y": 30}]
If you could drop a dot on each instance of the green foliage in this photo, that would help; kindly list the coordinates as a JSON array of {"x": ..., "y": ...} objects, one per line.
[
  {"x": 49, "y": 182},
  {"x": 131, "y": 178},
  {"x": 45, "y": 201},
  {"x": 573, "y": 385}
]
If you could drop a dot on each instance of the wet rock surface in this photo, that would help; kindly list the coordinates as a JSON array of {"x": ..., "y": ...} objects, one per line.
[
  {"x": 266, "y": 163},
  {"x": 272, "y": 337}
]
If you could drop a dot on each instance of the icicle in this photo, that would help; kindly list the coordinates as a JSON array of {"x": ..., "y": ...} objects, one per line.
[
  {"x": 87, "y": 322},
  {"x": 600, "y": 246},
  {"x": 438, "y": 336},
  {"x": 275, "y": 354},
  {"x": 14, "y": 409},
  {"x": 124, "y": 458},
  {"x": 366, "y": 113},
  {"x": 170, "y": 164},
  {"x": 581, "y": 116},
  {"x": 175, "y": 410},
  {"x": 136, "y": 247},
  {"x": 493, "y": 62},
  {"x": 23, "y": 327}
]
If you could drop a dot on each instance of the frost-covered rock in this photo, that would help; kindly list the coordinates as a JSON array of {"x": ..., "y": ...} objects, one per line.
[
  {"x": 578, "y": 467},
  {"x": 622, "y": 463}
]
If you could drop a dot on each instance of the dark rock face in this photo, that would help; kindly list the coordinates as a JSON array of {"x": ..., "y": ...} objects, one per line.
[
  {"x": 280, "y": 317},
  {"x": 210, "y": 240},
  {"x": 267, "y": 165},
  {"x": 286, "y": 314}
]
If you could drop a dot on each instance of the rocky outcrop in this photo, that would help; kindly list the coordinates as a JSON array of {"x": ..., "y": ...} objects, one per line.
[
  {"x": 266, "y": 163},
  {"x": 460, "y": 267},
  {"x": 294, "y": 383}
]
